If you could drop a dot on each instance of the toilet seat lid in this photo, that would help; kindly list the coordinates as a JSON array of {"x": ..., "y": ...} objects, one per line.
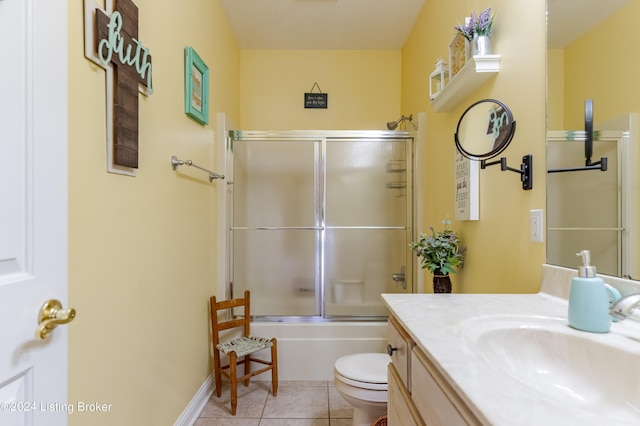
[{"x": 366, "y": 368}]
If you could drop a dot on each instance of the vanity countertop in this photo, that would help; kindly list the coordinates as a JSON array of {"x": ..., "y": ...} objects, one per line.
[{"x": 437, "y": 321}]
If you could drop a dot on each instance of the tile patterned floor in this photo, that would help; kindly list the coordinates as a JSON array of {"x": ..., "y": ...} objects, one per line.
[{"x": 297, "y": 404}]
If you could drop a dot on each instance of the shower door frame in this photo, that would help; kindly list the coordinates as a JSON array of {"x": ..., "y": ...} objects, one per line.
[
  {"x": 621, "y": 140},
  {"x": 324, "y": 137}
]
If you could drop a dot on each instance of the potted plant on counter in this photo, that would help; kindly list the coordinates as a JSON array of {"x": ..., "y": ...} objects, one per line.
[{"x": 441, "y": 254}]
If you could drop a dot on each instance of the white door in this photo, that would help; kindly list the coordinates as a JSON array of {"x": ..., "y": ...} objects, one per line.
[{"x": 33, "y": 209}]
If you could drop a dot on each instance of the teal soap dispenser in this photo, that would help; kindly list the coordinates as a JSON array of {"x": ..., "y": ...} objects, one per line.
[{"x": 589, "y": 299}]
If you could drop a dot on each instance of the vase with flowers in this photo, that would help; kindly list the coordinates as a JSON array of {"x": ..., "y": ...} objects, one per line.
[
  {"x": 478, "y": 29},
  {"x": 441, "y": 253}
]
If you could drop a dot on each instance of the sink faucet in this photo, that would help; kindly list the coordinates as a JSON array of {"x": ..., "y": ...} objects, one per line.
[{"x": 625, "y": 306}]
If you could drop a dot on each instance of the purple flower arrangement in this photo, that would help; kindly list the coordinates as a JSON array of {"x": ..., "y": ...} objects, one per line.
[{"x": 481, "y": 25}]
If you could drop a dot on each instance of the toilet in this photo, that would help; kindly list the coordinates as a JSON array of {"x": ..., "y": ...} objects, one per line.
[{"x": 361, "y": 379}]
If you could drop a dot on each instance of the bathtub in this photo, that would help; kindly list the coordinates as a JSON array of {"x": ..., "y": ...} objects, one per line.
[{"x": 308, "y": 351}]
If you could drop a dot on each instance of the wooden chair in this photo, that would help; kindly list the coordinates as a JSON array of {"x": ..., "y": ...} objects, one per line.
[{"x": 239, "y": 349}]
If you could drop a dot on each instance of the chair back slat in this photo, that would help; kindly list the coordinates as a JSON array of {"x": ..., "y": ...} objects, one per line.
[
  {"x": 238, "y": 322},
  {"x": 228, "y": 304}
]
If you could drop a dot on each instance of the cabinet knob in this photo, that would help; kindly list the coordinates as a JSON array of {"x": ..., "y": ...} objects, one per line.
[{"x": 390, "y": 350}]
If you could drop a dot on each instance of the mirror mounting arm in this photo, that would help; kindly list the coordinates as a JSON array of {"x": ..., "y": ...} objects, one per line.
[
  {"x": 602, "y": 164},
  {"x": 598, "y": 165},
  {"x": 525, "y": 170}
]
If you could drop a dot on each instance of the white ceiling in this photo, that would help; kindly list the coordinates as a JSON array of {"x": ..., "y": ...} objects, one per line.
[
  {"x": 322, "y": 24},
  {"x": 569, "y": 19},
  {"x": 374, "y": 24}
]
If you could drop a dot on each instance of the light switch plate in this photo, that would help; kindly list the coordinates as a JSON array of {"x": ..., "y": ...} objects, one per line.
[{"x": 536, "y": 229}]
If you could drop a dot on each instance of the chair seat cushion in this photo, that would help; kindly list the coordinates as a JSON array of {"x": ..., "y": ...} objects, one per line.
[{"x": 244, "y": 345}]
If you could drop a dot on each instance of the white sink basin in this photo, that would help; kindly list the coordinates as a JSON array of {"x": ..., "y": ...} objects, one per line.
[{"x": 596, "y": 372}]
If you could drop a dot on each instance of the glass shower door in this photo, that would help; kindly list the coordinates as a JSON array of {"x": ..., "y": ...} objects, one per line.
[
  {"x": 366, "y": 221},
  {"x": 321, "y": 226},
  {"x": 275, "y": 231}
]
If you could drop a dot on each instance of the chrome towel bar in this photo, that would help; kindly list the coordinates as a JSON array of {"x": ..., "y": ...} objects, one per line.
[{"x": 175, "y": 162}]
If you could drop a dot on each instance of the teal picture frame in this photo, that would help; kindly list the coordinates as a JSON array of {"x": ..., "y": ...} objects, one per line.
[{"x": 196, "y": 87}]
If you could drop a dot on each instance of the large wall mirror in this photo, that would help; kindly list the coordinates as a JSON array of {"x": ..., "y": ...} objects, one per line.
[{"x": 591, "y": 55}]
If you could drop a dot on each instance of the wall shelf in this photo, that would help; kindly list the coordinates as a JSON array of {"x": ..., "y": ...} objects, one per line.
[{"x": 475, "y": 72}]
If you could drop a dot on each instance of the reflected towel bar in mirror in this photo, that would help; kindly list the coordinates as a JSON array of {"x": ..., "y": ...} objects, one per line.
[{"x": 175, "y": 162}]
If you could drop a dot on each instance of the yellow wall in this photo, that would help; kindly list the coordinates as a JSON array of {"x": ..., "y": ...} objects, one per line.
[
  {"x": 602, "y": 65},
  {"x": 499, "y": 257},
  {"x": 142, "y": 250},
  {"x": 555, "y": 89},
  {"x": 363, "y": 89}
]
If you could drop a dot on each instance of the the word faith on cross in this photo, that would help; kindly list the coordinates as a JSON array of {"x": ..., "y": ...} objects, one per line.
[{"x": 111, "y": 41}]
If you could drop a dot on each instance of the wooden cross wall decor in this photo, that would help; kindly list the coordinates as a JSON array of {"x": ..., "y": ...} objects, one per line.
[{"x": 111, "y": 41}]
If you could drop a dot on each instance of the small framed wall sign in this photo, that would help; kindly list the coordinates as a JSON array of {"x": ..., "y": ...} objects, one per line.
[
  {"x": 467, "y": 198},
  {"x": 316, "y": 100},
  {"x": 196, "y": 87}
]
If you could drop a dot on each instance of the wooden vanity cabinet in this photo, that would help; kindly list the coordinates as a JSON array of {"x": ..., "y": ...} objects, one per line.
[{"x": 418, "y": 393}]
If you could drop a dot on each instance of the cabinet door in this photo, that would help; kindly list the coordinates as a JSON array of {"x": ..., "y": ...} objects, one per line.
[
  {"x": 402, "y": 411},
  {"x": 402, "y": 343},
  {"x": 435, "y": 399}
]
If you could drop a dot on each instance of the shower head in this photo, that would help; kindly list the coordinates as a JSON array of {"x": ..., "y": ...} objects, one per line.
[{"x": 391, "y": 125}]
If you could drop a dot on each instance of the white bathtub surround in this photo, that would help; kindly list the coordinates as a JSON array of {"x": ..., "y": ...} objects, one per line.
[
  {"x": 444, "y": 326},
  {"x": 308, "y": 351}
]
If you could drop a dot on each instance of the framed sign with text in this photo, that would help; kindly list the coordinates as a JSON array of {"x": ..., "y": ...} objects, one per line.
[
  {"x": 316, "y": 100},
  {"x": 196, "y": 87},
  {"x": 467, "y": 205}
]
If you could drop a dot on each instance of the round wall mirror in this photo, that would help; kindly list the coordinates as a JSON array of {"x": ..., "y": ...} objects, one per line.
[{"x": 485, "y": 130}]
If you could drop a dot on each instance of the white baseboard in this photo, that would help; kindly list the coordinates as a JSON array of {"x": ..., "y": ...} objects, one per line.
[{"x": 195, "y": 407}]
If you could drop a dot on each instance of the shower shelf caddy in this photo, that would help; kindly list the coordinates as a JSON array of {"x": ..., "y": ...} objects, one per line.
[{"x": 476, "y": 71}]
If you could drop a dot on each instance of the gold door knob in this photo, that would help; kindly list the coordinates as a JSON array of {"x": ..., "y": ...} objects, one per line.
[{"x": 51, "y": 315}]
